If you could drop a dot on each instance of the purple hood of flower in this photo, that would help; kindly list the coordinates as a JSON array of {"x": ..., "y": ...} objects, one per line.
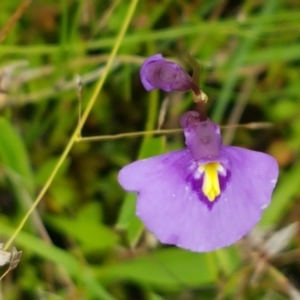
[
  {"x": 158, "y": 73},
  {"x": 203, "y": 197},
  {"x": 202, "y": 138}
]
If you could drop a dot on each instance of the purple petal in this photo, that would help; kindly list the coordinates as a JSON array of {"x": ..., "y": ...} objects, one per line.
[
  {"x": 158, "y": 73},
  {"x": 202, "y": 138},
  {"x": 139, "y": 173},
  {"x": 144, "y": 71},
  {"x": 173, "y": 212}
]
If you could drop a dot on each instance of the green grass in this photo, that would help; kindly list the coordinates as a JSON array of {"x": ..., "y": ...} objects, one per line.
[{"x": 83, "y": 240}]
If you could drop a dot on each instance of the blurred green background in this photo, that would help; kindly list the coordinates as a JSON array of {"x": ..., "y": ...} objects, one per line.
[{"x": 84, "y": 241}]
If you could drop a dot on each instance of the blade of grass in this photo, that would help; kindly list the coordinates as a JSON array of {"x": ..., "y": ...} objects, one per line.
[
  {"x": 227, "y": 27},
  {"x": 244, "y": 49}
]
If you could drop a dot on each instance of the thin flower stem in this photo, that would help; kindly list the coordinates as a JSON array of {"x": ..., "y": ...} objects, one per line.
[
  {"x": 199, "y": 97},
  {"x": 127, "y": 135},
  {"x": 201, "y": 109},
  {"x": 78, "y": 128},
  {"x": 252, "y": 126}
]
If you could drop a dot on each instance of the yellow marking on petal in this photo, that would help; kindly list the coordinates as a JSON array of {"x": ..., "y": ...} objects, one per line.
[{"x": 211, "y": 186}]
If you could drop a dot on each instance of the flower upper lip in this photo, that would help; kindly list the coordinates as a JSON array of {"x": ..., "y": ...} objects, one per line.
[
  {"x": 202, "y": 138},
  {"x": 158, "y": 73}
]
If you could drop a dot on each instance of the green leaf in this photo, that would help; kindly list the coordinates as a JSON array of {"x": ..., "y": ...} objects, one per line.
[
  {"x": 129, "y": 221},
  {"x": 91, "y": 211},
  {"x": 228, "y": 259},
  {"x": 127, "y": 211},
  {"x": 13, "y": 153},
  {"x": 47, "y": 167},
  {"x": 166, "y": 268},
  {"x": 135, "y": 230},
  {"x": 91, "y": 234}
]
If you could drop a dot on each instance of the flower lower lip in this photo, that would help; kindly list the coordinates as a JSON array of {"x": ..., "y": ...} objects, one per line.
[{"x": 172, "y": 204}]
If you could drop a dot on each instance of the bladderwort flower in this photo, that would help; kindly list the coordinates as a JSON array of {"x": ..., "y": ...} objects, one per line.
[{"x": 206, "y": 196}]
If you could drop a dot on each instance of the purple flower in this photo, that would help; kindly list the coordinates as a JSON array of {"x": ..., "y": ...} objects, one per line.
[
  {"x": 158, "y": 73},
  {"x": 203, "y": 197}
]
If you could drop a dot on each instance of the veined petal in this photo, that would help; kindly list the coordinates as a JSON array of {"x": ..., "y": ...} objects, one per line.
[
  {"x": 172, "y": 210},
  {"x": 146, "y": 173}
]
